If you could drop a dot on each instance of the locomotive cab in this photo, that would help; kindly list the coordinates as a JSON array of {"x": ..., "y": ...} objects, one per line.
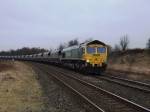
[{"x": 96, "y": 54}]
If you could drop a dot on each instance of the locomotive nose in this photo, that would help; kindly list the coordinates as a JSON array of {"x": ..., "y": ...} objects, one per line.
[{"x": 96, "y": 59}]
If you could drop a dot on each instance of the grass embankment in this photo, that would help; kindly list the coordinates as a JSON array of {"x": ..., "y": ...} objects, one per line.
[
  {"x": 136, "y": 62},
  {"x": 19, "y": 89}
]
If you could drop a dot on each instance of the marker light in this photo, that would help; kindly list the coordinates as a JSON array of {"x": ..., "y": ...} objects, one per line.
[{"x": 87, "y": 61}]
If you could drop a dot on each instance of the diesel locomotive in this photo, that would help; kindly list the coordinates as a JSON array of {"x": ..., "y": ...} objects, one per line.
[{"x": 91, "y": 56}]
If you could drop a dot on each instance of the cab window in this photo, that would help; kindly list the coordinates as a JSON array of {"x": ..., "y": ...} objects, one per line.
[
  {"x": 91, "y": 50},
  {"x": 101, "y": 50}
]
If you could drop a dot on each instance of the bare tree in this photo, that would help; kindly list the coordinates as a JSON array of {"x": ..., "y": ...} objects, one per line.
[
  {"x": 24, "y": 51},
  {"x": 148, "y": 44},
  {"x": 73, "y": 42},
  {"x": 124, "y": 42},
  {"x": 61, "y": 47}
]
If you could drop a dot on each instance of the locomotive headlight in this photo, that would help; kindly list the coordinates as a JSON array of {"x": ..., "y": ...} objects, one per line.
[{"x": 87, "y": 61}]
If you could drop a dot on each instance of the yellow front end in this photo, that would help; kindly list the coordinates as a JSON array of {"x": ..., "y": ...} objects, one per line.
[{"x": 96, "y": 55}]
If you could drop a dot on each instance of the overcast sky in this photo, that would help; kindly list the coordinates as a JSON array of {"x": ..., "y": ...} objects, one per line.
[{"x": 46, "y": 23}]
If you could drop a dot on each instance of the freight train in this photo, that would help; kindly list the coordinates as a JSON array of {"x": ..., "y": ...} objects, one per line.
[{"x": 89, "y": 56}]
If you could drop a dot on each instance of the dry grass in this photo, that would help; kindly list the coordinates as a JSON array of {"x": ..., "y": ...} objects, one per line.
[
  {"x": 139, "y": 63},
  {"x": 4, "y": 66},
  {"x": 19, "y": 89}
]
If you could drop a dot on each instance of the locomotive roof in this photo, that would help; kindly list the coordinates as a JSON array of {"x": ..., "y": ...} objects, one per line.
[
  {"x": 84, "y": 44},
  {"x": 96, "y": 42}
]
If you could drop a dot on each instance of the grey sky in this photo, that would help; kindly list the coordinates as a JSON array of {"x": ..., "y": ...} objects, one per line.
[{"x": 46, "y": 23}]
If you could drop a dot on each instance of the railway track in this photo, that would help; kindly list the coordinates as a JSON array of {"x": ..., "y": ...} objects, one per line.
[
  {"x": 100, "y": 99},
  {"x": 126, "y": 82},
  {"x": 131, "y": 92}
]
